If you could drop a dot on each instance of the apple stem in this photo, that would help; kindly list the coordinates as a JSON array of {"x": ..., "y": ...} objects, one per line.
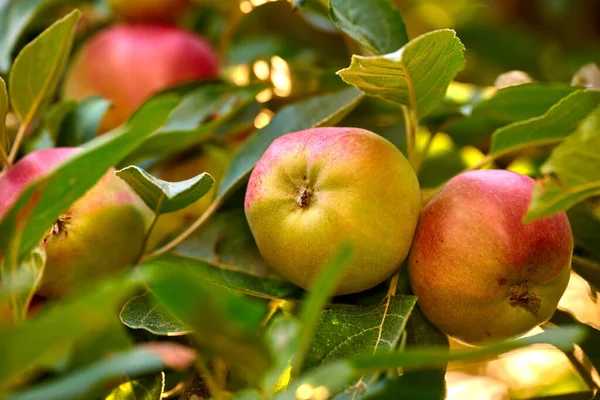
[{"x": 522, "y": 296}]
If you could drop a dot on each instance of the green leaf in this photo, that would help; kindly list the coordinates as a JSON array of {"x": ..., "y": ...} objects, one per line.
[
  {"x": 226, "y": 239},
  {"x": 319, "y": 294},
  {"x": 24, "y": 349},
  {"x": 81, "y": 124},
  {"x": 141, "y": 312},
  {"x": 316, "y": 111},
  {"x": 162, "y": 196},
  {"x": 234, "y": 278},
  {"x": 83, "y": 383},
  {"x": 585, "y": 223},
  {"x": 201, "y": 113},
  {"x": 37, "y": 69},
  {"x": 24, "y": 281},
  {"x": 376, "y": 24},
  {"x": 416, "y": 76},
  {"x": 45, "y": 199},
  {"x": 516, "y": 103},
  {"x": 222, "y": 322},
  {"x": 551, "y": 128},
  {"x": 4, "y": 143},
  {"x": 14, "y": 18},
  {"x": 563, "y": 339},
  {"x": 343, "y": 333},
  {"x": 575, "y": 169}
]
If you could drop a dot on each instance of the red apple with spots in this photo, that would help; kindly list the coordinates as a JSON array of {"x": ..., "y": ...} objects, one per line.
[
  {"x": 480, "y": 273},
  {"x": 128, "y": 63},
  {"x": 315, "y": 189},
  {"x": 98, "y": 235}
]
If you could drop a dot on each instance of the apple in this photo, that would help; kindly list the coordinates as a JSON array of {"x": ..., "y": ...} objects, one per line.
[
  {"x": 315, "y": 189},
  {"x": 148, "y": 9},
  {"x": 98, "y": 235},
  {"x": 212, "y": 158},
  {"x": 480, "y": 273},
  {"x": 128, "y": 63}
]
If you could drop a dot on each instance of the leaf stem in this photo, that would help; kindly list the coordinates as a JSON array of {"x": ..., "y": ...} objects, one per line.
[
  {"x": 17, "y": 143},
  {"x": 4, "y": 157},
  {"x": 187, "y": 233},
  {"x": 151, "y": 227}
]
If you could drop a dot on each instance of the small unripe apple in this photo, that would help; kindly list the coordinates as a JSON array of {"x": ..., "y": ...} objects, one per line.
[
  {"x": 315, "y": 189},
  {"x": 100, "y": 234},
  {"x": 128, "y": 63},
  {"x": 480, "y": 273},
  {"x": 148, "y": 10}
]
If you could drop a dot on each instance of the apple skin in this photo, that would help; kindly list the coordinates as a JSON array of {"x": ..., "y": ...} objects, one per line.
[
  {"x": 98, "y": 235},
  {"x": 148, "y": 10},
  {"x": 472, "y": 257},
  {"x": 315, "y": 189},
  {"x": 128, "y": 63}
]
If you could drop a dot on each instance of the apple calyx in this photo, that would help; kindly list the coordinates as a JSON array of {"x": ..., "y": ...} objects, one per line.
[
  {"x": 304, "y": 197},
  {"x": 59, "y": 226},
  {"x": 521, "y": 295}
]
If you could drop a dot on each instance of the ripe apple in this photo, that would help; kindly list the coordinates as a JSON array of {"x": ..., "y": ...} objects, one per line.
[
  {"x": 211, "y": 158},
  {"x": 148, "y": 9},
  {"x": 312, "y": 190},
  {"x": 99, "y": 234},
  {"x": 128, "y": 63},
  {"x": 480, "y": 273}
]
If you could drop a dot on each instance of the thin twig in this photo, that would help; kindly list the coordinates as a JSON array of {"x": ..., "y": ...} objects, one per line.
[
  {"x": 185, "y": 234},
  {"x": 17, "y": 143}
]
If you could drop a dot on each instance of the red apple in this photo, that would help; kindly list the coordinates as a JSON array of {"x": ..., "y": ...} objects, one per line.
[
  {"x": 128, "y": 63},
  {"x": 480, "y": 273},
  {"x": 147, "y": 10},
  {"x": 99, "y": 234},
  {"x": 315, "y": 189}
]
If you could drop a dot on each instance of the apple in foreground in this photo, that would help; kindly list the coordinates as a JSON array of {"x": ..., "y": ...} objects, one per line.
[
  {"x": 98, "y": 235},
  {"x": 128, "y": 63},
  {"x": 480, "y": 273},
  {"x": 148, "y": 10},
  {"x": 315, "y": 189}
]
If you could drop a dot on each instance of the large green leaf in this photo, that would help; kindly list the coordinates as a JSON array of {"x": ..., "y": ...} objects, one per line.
[
  {"x": 318, "y": 296},
  {"x": 37, "y": 69},
  {"x": 223, "y": 323},
  {"x": 376, "y": 24},
  {"x": 575, "y": 169},
  {"x": 226, "y": 239},
  {"x": 316, "y": 111},
  {"x": 234, "y": 278},
  {"x": 24, "y": 348},
  {"x": 343, "y": 333},
  {"x": 14, "y": 18},
  {"x": 201, "y": 113},
  {"x": 551, "y": 128},
  {"x": 415, "y": 76},
  {"x": 46, "y": 198},
  {"x": 86, "y": 382}
]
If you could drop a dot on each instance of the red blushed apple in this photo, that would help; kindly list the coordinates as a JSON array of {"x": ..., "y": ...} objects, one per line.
[
  {"x": 98, "y": 235},
  {"x": 149, "y": 10},
  {"x": 480, "y": 273},
  {"x": 128, "y": 63},
  {"x": 315, "y": 189}
]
